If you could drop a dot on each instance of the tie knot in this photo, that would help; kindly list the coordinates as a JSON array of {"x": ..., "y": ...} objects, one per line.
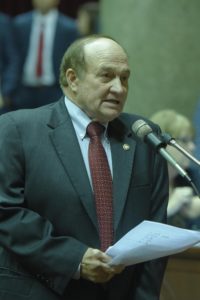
[{"x": 95, "y": 129}]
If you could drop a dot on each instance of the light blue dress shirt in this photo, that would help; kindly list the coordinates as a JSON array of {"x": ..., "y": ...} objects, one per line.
[{"x": 80, "y": 122}]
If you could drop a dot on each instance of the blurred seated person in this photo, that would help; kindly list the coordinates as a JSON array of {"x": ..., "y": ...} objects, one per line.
[
  {"x": 43, "y": 35},
  {"x": 183, "y": 207},
  {"x": 88, "y": 18},
  {"x": 8, "y": 64},
  {"x": 195, "y": 170}
]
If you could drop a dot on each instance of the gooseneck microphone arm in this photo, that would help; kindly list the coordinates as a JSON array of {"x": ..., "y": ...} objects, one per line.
[
  {"x": 146, "y": 134},
  {"x": 173, "y": 162},
  {"x": 180, "y": 170},
  {"x": 166, "y": 138}
]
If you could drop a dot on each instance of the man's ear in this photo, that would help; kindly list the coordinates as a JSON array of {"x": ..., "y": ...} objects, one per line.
[{"x": 72, "y": 79}]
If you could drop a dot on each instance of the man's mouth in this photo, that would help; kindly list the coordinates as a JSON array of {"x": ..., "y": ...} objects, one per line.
[{"x": 112, "y": 101}]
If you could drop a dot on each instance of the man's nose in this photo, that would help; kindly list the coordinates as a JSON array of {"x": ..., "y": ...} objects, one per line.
[{"x": 117, "y": 86}]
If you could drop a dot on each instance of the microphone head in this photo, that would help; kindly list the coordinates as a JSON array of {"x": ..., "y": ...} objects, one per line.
[{"x": 141, "y": 129}]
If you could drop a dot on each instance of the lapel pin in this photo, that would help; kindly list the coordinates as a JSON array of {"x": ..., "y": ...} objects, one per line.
[{"x": 126, "y": 147}]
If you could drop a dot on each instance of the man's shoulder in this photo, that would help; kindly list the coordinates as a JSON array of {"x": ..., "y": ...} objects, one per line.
[
  {"x": 27, "y": 116},
  {"x": 66, "y": 20},
  {"x": 130, "y": 119},
  {"x": 4, "y": 18},
  {"x": 23, "y": 18}
]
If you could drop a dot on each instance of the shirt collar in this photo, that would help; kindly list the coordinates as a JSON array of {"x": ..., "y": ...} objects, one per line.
[
  {"x": 53, "y": 13},
  {"x": 79, "y": 118}
]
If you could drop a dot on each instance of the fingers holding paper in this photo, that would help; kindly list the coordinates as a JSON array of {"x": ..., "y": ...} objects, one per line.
[{"x": 95, "y": 266}]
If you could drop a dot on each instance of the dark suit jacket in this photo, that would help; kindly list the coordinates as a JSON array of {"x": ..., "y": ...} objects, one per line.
[
  {"x": 66, "y": 33},
  {"x": 47, "y": 211},
  {"x": 9, "y": 60}
]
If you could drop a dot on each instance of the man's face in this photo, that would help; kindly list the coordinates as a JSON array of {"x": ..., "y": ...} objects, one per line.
[
  {"x": 102, "y": 90},
  {"x": 45, "y": 5}
]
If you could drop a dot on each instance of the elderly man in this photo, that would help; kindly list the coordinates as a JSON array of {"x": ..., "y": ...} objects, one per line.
[{"x": 74, "y": 180}]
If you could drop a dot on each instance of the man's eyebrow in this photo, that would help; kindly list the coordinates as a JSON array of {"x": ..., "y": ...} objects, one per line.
[{"x": 111, "y": 69}]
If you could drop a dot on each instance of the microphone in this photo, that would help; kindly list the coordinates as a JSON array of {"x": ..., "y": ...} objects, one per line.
[
  {"x": 166, "y": 138},
  {"x": 146, "y": 134}
]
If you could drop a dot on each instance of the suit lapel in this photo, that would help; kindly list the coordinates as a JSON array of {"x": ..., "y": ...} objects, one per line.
[
  {"x": 26, "y": 32},
  {"x": 67, "y": 147},
  {"x": 123, "y": 148},
  {"x": 64, "y": 139}
]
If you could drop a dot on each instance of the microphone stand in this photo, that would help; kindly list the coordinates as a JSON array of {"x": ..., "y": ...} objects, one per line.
[
  {"x": 167, "y": 139},
  {"x": 143, "y": 131}
]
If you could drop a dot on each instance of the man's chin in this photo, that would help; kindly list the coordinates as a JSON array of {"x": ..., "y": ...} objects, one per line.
[{"x": 107, "y": 116}]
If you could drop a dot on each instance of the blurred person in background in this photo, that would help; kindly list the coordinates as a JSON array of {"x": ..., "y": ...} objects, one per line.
[
  {"x": 195, "y": 170},
  {"x": 43, "y": 35},
  {"x": 88, "y": 18},
  {"x": 9, "y": 64},
  {"x": 184, "y": 207}
]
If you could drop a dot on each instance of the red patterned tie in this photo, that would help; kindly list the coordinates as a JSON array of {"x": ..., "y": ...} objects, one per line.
[
  {"x": 102, "y": 184},
  {"x": 40, "y": 52}
]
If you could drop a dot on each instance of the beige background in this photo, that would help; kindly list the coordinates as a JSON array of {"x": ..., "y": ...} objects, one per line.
[{"x": 163, "y": 43}]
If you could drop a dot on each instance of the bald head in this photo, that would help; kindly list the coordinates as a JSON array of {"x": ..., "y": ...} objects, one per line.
[
  {"x": 104, "y": 48},
  {"x": 78, "y": 54}
]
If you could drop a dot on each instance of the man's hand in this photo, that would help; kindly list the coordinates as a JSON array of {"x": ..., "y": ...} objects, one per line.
[{"x": 95, "y": 267}]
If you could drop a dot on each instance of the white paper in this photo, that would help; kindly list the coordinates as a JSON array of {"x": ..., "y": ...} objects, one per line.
[{"x": 150, "y": 240}]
